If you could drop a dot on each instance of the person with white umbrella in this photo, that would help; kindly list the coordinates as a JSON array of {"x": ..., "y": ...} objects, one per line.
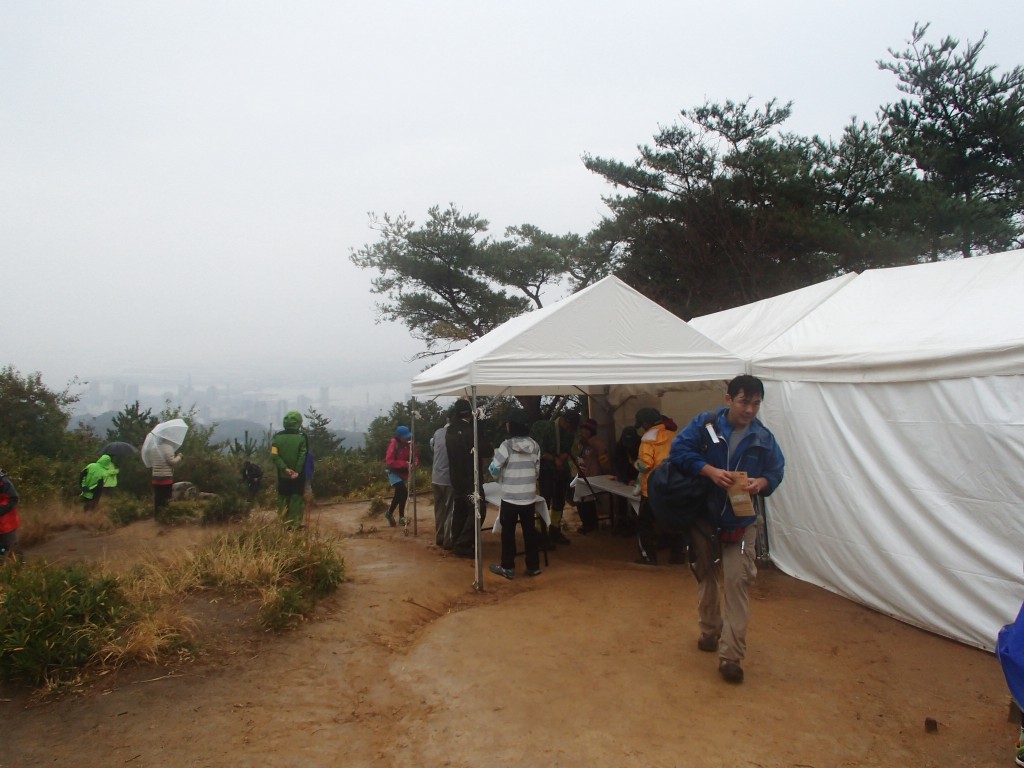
[{"x": 159, "y": 453}]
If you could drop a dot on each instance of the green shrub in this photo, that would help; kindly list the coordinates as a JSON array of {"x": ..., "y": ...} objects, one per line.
[
  {"x": 178, "y": 512},
  {"x": 54, "y": 619},
  {"x": 226, "y": 508},
  {"x": 122, "y": 509}
]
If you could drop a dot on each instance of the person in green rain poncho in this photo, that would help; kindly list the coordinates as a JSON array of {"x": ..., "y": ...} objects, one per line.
[
  {"x": 288, "y": 451},
  {"x": 93, "y": 479}
]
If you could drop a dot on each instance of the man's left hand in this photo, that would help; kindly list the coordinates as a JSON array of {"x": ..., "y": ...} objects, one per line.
[{"x": 756, "y": 486}]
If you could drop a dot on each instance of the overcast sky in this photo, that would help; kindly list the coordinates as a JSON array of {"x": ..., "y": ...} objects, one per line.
[{"x": 181, "y": 183}]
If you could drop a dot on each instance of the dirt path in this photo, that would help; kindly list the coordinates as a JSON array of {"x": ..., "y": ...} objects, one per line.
[{"x": 592, "y": 664}]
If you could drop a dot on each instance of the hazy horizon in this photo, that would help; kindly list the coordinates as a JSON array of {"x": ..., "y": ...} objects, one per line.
[{"x": 184, "y": 182}]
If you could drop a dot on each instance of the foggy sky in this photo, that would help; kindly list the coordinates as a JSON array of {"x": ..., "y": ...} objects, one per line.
[{"x": 183, "y": 182}]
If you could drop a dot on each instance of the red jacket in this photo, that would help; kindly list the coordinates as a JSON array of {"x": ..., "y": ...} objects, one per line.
[{"x": 9, "y": 520}]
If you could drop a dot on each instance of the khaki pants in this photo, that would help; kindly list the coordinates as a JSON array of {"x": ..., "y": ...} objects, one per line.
[{"x": 734, "y": 575}]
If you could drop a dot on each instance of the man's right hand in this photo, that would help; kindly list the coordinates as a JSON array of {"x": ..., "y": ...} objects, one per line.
[{"x": 719, "y": 477}]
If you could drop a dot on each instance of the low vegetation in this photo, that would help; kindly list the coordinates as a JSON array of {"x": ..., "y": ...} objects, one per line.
[{"x": 61, "y": 623}]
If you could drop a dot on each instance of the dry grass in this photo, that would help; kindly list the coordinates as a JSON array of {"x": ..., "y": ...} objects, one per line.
[{"x": 41, "y": 521}]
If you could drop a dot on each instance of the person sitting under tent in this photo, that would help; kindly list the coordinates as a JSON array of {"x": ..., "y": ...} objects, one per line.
[{"x": 593, "y": 461}]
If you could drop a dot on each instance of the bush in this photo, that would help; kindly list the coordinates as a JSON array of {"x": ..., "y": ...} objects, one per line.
[
  {"x": 122, "y": 509},
  {"x": 54, "y": 620},
  {"x": 178, "y": 512},
  {"x": 225, "y": 509},
  {"x": 290, "y": 570}
]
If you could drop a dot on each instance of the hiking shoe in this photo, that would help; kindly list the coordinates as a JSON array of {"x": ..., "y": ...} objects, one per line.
[
  {"x": 535, "y": 572},
  {"x": 391, "y": 519},
  {"x": 508, "y": 573},
  {"x": 402, "y": 521},
  {"x": 731, "y": 671},
  {"x": 707, "y": 643}
]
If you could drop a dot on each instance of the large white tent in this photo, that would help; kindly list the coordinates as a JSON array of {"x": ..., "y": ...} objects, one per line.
[
  {"x": 899, "y": 401},
  {"x": 608, "y": 334},
  {"x": 897, "y": 397}
]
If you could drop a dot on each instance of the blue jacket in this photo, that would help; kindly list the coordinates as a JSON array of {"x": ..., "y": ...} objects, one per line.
[{"x": 758, "y": 455}]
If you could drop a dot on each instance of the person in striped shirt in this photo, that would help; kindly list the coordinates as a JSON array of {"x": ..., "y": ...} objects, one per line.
[{"x": 516, "y": 465}]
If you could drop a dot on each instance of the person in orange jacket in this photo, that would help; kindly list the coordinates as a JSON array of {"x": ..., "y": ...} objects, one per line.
[{"x": 656, "y": 435}]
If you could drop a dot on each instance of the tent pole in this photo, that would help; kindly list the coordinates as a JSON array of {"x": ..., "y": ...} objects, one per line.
[
  {"x": 478, "y": 585},
  {"x": 412, "y": 462}
]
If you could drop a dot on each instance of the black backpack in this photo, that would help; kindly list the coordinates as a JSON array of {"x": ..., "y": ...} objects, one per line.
[{"x": 677, "y": 499}]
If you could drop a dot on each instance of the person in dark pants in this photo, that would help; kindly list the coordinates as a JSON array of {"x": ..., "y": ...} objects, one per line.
[
  {"x": 656, "y": 435},
  {"x": 593, "y": 461},
  {"x": 555, "y": 439},
  {"x": 458, "y": 442},
  {"x": 516, "y": 466},
  {"x": 400, "y": 460}
]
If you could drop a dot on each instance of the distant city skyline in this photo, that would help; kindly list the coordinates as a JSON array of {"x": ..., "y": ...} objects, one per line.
[{"x": 350, "y": 407}]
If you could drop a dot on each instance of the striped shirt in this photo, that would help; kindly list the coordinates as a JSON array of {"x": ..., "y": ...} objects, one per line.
[{"x": 516, "y": 465}]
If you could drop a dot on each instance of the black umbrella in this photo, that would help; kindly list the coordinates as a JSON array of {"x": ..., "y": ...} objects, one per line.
[{"x": 117, "y": 450}]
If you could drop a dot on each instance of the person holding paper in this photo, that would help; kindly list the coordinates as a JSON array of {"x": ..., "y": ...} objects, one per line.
[{"x": 741, "y": 458}]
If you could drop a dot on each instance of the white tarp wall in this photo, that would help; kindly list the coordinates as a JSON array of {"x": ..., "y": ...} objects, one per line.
[{"x": 899, "y": 403}]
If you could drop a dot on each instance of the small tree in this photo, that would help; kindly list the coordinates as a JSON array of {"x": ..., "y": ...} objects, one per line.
[
  {"x": 33, "y": 417},
  {"x": 132, "y": 424},
  {"x": 322, "y": 441}
]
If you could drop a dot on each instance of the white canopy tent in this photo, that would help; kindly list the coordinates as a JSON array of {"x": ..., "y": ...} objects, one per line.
[
  {"x": 899, "y": 402},
  {"x": 605, "y": 335}
]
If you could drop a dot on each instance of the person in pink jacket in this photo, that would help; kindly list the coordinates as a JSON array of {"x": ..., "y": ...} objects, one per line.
[{"x": 399, "y": 458}]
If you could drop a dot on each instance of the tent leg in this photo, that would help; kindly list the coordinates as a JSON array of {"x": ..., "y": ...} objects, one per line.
[{"x": 478, "y": 555}]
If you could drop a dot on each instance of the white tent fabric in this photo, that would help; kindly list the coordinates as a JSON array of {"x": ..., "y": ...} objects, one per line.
[
  {"x": 605, "y": 334},
  {"x": 899, "y": 403},
  {"x": 745, "y": 330},
  {"x": 947, "y": 319}
]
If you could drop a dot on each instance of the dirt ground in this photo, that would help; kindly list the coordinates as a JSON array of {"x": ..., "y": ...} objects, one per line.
[{"x": 594, "y": 663}]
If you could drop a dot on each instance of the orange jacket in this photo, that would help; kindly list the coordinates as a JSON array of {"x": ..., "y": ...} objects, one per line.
[{"x": 654, "y": 448}]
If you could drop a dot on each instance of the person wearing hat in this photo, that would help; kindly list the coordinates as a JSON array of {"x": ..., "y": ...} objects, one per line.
[
  {"x": 555, "y": 439},
  {"x": 594, "y": 460},
  {"x": 458, "y": 442},
  {"x": 516, "y": 465},
  {"x": 288, "y": 452},
  {"x": 399, "y": 458},
  {"x": 656, "y": 435}
]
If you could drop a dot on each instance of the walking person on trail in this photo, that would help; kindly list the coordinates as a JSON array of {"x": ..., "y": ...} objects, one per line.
[
  {"x": 742, "y": 460},
  {"x": 400, "y": 459}
]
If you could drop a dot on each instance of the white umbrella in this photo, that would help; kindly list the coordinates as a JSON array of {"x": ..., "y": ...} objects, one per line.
[{"x": 172, "y": 432}]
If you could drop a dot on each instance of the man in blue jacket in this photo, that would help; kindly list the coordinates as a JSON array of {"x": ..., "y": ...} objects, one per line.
[{"x": 714, "y": 445}]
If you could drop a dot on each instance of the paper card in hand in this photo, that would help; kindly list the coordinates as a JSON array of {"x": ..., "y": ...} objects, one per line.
[{"x": 742, "y": 506}]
